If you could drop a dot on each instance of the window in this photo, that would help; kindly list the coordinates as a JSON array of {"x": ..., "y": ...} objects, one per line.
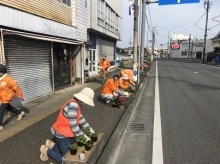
[
  {"x": 184, "y": 53},
  {"x": 66, "y": 2}
]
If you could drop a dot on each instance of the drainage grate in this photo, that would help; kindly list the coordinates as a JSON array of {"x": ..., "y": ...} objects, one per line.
[{"x": 137, "y": 127}]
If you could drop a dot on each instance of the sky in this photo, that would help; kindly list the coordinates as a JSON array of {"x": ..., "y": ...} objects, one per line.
[{"x": 173, "y": 19}]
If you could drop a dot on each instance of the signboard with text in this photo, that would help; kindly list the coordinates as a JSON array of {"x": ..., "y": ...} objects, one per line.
[{"x": 174, "y": 2}]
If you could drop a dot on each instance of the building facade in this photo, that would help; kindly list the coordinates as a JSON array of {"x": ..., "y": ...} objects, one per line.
[
  {"x": 43, "y": 43},
  {"x": 104, "y": 30},
  {"x": 187, "y": 46}
]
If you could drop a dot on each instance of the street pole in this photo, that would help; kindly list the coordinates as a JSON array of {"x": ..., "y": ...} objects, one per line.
[
  {"x": 195, "y": 47},
  {"x": 143, "y": 30},
  {"x": 135, "y": 34},
  {"x": 168, "y": 44},
  {"x": 153, "y": 40},
  {"x": 205, "y": 35},
  {"x": 189, "y": 46}
]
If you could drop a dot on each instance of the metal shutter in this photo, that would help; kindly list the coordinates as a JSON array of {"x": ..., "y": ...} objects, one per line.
[{"x": 29, "y": 63}]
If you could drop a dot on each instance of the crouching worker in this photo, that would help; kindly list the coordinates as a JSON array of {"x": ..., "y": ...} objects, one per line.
[
  {"x": 68, "y": 126},
  {"x": 111, "y": 89},
  {"x": 124, "y": 83},
  {"x": 130, "y": 73}
]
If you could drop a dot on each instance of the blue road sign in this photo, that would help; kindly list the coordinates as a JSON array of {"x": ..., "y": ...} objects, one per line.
[{"x": 174, "y": 2}]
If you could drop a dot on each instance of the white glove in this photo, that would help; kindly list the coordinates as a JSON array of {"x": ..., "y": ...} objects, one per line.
[
  {"x": 132, "y": 87},
  {"x": 126, "y": 93},
  {"x": 87, "y": 138},
  {"x": 91, "y": 130}
]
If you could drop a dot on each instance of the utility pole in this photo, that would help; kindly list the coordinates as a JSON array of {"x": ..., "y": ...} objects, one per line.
[
  {"x": 205, "y": 35},
  {"x": 153, "y": 41},
  {"x": 143, "y": 30},
  {"x": 168, "y": 44},
  {"x": 196, "y": 47},
  {"x": 130, "y": 45},
  {"x": 189, "y": 46},
  {"x": 135, "y": 34},
  {"x": 191, "y": 51}
]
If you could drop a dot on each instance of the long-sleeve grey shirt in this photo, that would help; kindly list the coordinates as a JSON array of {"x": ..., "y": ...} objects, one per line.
[{"x": 70, "y": 111}]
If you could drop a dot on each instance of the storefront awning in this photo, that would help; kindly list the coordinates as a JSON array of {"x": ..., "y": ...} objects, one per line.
[{"x": 40, "y": 37}]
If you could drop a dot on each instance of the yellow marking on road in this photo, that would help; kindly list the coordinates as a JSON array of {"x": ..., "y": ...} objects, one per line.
[
  {"x": 7, "y": 133},
  {"x": 16, "y": 129}
]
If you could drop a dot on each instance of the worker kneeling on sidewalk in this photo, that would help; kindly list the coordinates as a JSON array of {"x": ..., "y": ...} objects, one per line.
[
  {"x": 68, "y": 126},
  {"x": 111, "y": 89},
  {"x": 124, "y": 83},
  {"x": 130, "y": 73}
]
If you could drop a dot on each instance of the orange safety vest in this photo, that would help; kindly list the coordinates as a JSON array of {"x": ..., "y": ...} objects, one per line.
[
  {"x": 62, "y": 125},
  {"x": 129, "y": 72},
  {"x": 104, "y": 64},
  {"x": 8, "y": 89},
  {"x": 123, "y": 84},
  {"x": 110, "y": 86}
]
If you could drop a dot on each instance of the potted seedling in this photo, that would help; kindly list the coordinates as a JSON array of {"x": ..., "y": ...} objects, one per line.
[
  {"x": 94, "y": 137},
  {"x": 121, "y": 102},
  {"x": 87, "y": 132},
  {"x": 115, "y": 102},
  {"x": 88, "y": 145},
  {"x": 77, "y": 80},
  {"x": 73, "y": 149},
  {"x": 80, "y": 140}
]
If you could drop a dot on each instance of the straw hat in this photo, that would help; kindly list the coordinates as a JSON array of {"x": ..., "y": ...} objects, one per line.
[
  {"x": 86, "y": 95},
  {"x": 125, "y": 76}
]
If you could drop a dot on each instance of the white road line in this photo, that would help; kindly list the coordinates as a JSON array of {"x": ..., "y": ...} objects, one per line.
[{"x": 157, "y": 156}]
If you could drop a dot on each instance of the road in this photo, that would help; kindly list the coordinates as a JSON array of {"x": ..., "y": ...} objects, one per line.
[
  {"x": 180, "y": 122},
  {"x": 190, "y": 112}
]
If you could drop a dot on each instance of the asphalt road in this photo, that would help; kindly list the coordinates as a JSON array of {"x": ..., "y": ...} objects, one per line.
[{"x": 190, "y": 112}]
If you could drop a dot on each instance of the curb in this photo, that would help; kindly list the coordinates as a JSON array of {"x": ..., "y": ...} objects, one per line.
[{"x": 111, "y": 147}]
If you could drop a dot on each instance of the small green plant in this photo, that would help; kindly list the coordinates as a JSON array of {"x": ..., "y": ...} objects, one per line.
[
  {"x": 88, "y": 145},
  {"x": 94, "y": 137},
  {"x": 73, "y": 149},
  {"x": 87, "y": 132},
  {"x": 77, "y": 79},
  {"x": 80, "y": 140}
]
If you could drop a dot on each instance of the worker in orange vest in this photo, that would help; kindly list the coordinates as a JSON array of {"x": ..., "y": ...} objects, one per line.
[
  {"x": 104, "y": 64},
  {"x": 70, "y": 124},
  {"x": 130, "y": 73},
  {"x": 111, "y": 89},
  {"x": 124, "y": 82},
  {"x": 8, "y": 89}
]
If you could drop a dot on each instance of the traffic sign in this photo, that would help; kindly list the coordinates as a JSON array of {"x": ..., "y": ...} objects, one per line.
[{"x": 174, "y": 2}]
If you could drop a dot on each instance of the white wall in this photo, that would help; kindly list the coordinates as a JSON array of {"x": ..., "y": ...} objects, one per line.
[
  {"x": 92, "y": 16},
  {"x": 81, "y": 12}
]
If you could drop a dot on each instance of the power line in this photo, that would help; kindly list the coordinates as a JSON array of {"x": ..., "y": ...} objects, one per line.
[{"x": 150, "y": 16}]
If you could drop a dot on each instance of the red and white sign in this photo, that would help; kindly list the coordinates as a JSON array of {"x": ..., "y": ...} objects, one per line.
[{"x": 175, "y": 45}]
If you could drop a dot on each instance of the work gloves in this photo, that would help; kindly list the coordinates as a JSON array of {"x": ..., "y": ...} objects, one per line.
[
  {"x": 91, "y": 130},
  {"x": 126, "y": 93},
  {"x": 87, "y": 138}
]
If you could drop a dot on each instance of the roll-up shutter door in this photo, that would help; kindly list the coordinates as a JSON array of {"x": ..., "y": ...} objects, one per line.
[{"x": 29, "y": 63}]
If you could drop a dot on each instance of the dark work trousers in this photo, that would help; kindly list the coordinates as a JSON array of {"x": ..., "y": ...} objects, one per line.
[{"x": 9, "y": 107}]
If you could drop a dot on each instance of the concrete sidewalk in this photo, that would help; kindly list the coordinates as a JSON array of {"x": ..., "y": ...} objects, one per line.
[{"x": 41, "y": 113}]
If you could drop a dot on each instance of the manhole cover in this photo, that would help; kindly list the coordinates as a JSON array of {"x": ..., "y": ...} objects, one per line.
[{"x": 137, "y": 127}]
